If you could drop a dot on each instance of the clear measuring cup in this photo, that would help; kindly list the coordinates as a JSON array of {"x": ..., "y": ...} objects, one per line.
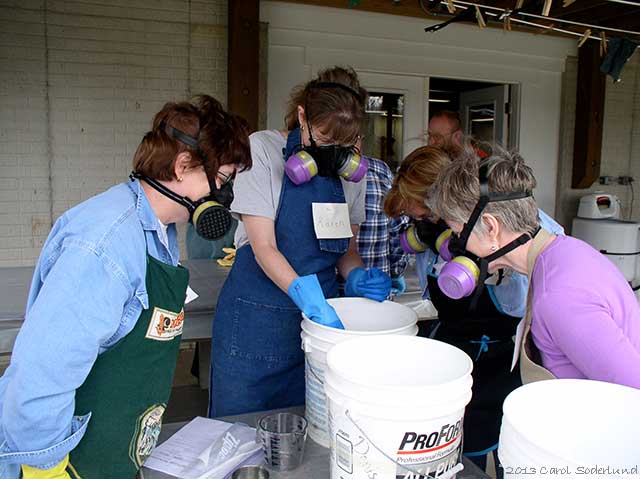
[{"x": 282, "y": 436}]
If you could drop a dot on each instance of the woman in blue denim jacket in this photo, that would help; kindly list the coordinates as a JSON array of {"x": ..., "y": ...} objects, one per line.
[
  {"x": 483, "y": 331},
  {"x": 92, "y": 367}
]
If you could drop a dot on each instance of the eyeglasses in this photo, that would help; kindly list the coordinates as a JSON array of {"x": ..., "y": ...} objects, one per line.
[
  {"x": 439, "y": 137},
  {"x": 226, "y": 178}
]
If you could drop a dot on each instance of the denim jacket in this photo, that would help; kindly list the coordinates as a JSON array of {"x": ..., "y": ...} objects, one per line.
[
  {"x": 87, "y": 292},
  {"x": 510, "y": 296}
]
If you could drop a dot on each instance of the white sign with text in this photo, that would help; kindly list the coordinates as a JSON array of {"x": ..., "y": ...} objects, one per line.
[{"x": 331, "y": 220}]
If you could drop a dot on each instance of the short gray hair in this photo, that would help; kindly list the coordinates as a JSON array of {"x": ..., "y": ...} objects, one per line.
[{"x": 456, "y": 191}]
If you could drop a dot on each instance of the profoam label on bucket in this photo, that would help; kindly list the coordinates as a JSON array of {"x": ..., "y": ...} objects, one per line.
[{"x": 365, "y": 447}]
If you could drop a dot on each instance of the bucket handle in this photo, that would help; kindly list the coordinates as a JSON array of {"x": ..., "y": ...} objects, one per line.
[
  {"x": 305, "y": 345},
  {"x": 447, "y": 475},
  {"x": 313, "y": 373}
]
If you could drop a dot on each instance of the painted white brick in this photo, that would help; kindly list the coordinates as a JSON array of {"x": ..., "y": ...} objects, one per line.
[
  {"x": 109, "y": 67},
  {"x": 130, "y": 10},
  {"x": 10, "y": 231},
  {"x": 9, "y": 195},
  {"x": 9, "y": 183}
]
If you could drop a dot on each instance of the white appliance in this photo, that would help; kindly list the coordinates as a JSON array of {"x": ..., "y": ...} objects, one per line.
[
  {"x": 599, "y": 224},
  {"x": 599, "y": 205}
]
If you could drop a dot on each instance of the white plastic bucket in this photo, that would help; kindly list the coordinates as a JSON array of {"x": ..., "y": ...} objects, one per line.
[
  {"x": 396, "y": 405},
  {"x": 361, "y": 317},
  {"x": 563, "y": 427}
]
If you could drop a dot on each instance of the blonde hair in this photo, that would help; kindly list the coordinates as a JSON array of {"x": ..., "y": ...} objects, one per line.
[
  {"x": 417, "y": 172},
  {"x": 455, "y": 193},
  {"x": 337, "y": 113}
]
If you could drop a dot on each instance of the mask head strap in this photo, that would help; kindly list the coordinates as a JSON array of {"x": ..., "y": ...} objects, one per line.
[
  {"x": 459, "y": 242},
  {"x": 160, "y": 188},
  {"x": 306, "y": 117},
  {"x": 331, "y": 84},
  {"x": 484, "y": 262},
  {"x": 191, "y": 142},
  {"x": 183, "y": 138}
]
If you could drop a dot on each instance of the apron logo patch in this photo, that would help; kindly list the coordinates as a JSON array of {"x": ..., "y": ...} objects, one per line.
[
  {"x": 165, "y": 325},
  {"x": 146, "y": 434}
]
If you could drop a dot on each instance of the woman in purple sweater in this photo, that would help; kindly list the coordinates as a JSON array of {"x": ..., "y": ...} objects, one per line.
[{"x": 583, "y": 317}]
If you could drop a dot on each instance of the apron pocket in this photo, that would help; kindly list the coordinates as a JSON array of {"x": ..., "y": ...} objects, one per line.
[
  {"x": 265, "y": 332},
  {"x": 339, "y": 245}
]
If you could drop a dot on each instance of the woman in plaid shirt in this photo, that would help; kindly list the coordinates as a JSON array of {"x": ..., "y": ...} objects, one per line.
[{"x": 379, "y": 236}]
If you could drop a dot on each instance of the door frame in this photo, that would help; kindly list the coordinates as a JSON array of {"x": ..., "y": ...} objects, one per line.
[{"x": 414, "y": 124}]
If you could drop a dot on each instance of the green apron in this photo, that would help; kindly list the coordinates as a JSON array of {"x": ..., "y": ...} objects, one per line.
[{"x": 129, "y": 385}]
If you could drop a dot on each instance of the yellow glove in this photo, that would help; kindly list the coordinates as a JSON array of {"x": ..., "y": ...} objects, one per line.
[
  {"x": 59, "y": 471},
  {"x": 228, "y": 260}
]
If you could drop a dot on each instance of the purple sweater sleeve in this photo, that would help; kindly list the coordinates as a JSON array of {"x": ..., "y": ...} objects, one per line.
[{"x": 576, "y": 331}]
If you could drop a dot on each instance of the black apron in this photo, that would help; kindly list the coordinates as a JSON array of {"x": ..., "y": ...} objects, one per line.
[{"x": 485, "y": 334}]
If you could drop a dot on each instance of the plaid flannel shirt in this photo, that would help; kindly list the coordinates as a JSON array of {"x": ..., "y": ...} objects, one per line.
[{"x": 379, "y": 236}]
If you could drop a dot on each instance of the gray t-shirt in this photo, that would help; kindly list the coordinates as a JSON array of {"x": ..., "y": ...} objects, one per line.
[{"x": 257, "y": 191}]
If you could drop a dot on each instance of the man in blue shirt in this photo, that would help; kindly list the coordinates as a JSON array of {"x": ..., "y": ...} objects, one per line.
[{"x": 92, "y": 367}]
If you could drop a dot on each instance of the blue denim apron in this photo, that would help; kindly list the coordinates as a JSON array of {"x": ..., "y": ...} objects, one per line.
[{"x": 256, "y": 359}]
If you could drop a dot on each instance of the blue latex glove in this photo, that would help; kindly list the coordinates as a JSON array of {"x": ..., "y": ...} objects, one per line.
[
  {"x": 372, "y": 283},
  {"x": 307, "y": 293},
  {"x": 398, "y": 285}
]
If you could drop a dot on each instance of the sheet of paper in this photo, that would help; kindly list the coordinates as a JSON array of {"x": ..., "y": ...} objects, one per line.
[
  {"x": 185, "y": 454},
  {"x": 331, "y": 220},
  {"x": 188, "y": 453},
  {"x": 186, "y": 446},
  {"x": 191, "y": 295},
  {"x": 518, "y": 343}
]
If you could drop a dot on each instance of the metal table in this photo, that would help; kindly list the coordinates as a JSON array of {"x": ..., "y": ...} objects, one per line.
[
  {"x": 206, "y": 279},
  {"x": 316, "y": 458}
]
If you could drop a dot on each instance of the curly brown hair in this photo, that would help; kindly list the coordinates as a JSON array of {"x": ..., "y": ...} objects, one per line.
[{"x": 223, "y": 138}]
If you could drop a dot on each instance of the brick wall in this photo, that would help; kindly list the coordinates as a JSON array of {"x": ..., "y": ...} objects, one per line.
[
  {"x": 79, "y": 85},
  {"x": 25, "y": 215},
  {"x": 620, "y": 141}
]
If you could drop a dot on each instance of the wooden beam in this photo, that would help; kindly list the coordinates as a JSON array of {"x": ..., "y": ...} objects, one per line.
[
  {"x": 579, "y": 6},
  {"x": 597, "y": 14},
  {"x": 243, "y": 60},
  {"x": 411, "y": 8},
  {"x": 404, "y": 8},
  {"x": 587, "y": 143},
  {"x": 630, "y": 21}
]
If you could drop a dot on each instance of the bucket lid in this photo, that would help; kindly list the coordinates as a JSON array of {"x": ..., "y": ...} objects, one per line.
[{"x": 400, "y": 369}]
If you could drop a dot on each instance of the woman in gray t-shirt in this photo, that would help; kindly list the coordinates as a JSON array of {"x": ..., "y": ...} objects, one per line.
[{"x": 300, "y": 206}]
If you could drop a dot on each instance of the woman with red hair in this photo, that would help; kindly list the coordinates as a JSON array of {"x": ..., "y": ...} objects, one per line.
[{"x": 92, "y": 367}]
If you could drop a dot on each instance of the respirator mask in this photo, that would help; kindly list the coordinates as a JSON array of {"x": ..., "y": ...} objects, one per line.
[
  {"x": 326, "y": 160},
  {"x": 421, "y": 235},
  {"x": 209, "y": 215},
  {"x": 465, "y": 273}
]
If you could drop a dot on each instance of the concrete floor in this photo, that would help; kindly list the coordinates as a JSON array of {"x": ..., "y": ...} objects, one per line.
[{"x": 188, "y": 399}]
